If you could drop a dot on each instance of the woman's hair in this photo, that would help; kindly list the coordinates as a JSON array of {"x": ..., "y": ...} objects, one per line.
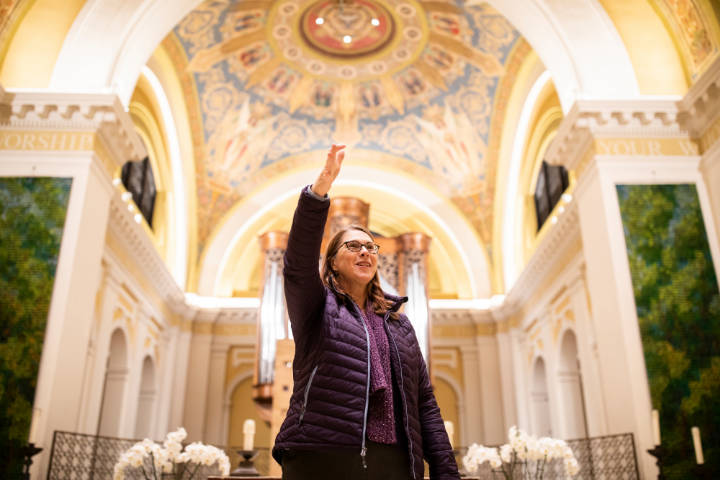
[{"x": 329, "y": 276}]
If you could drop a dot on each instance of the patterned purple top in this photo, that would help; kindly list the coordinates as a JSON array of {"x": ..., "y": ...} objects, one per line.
[{"x": 381, "y": 416}]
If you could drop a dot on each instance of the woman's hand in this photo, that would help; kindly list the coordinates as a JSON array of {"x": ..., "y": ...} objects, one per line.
[{"x": 330, "y": 171}]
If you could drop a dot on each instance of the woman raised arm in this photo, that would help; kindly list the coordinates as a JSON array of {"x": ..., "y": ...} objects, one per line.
[{"x": 304, "y": 291}]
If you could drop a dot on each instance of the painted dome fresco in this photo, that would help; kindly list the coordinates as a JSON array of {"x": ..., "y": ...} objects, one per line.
[{"x": 420, "y": 85}]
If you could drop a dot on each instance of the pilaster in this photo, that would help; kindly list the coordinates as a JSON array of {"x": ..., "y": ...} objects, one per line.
[
  {"x": 604, "y": 144},
  {"x": 85, "y": 137}
]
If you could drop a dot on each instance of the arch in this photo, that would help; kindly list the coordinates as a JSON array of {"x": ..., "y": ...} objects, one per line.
[
  {"x": 153, "y": 117},
  {"x": 586, "y": 58},
  {"x": 116, "y": 379},
  {"x": 145, "y": 417},
  {"x": 238, "y": 406},
  {"x": 453, "y": 236},
  {"x": 511, "y": 245},
  {"x": 573, "y": 420},
  {"x": 454, "y": 407},
  {"x": 540, "y": 403}
]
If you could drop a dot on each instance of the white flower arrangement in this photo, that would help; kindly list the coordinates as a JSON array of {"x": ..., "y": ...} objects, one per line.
[
  {"x": 165, "y": 459},
  {"x": 525, "y": 449}
]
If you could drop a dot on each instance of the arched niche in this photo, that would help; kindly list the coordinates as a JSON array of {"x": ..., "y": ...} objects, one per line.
[
  {"x": 145, "y": 418},
  {"x": 450, "y": 401},
  {"x": 571, "y": 394},
  {"x": 116, "y": 379},
  {"x": 240, "y": 407},
  {"x": 540, "y": 401}
]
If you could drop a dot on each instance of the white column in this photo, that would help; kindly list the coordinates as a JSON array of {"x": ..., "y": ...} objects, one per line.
[
  {"x": 507, "y": 386},
  {"x": 520, "y": 378},
  {"x": 473, "y": 399},
  {"x": 179, "y": 371},
  {"x": 613, "y": 309},
  {"x": 85, "y": 137},
  {"x": 216, "y": 394},
  {"x": 490, "y": 390},
  {"x": 164, "y": 368},
  {"x": 710, "y": 168},
  {"x": 198, "y": 377},
  {"x": 591, "y": 374}
]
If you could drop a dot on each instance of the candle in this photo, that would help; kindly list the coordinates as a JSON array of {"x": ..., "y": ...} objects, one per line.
[
  {"x": 248, "y": 434},
  {"x": 34, "y": 426},
  {"x": 698, "y": 445},
  {"x": 450, "y": 428},
  {"x": 656, "y": 427}
]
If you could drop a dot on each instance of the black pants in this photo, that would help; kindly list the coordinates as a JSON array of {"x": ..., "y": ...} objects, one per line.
[{"x": 384, "y": 462}]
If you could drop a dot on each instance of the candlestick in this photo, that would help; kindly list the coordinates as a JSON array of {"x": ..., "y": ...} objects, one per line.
[
  {"x": 656, "y": 427},
  {"x": 248, "y": 434},
  {"x": 450, "y": 428},
  {"x": 697, "y": 443}
]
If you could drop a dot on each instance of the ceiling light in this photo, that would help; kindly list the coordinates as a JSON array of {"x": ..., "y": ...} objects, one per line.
[
  {"x": 566, "y": 197},
  {"x": 347, "y": 39},
  {"x": 319, "y": 21},
  {"x": 138, "y": 217},
  {"x": 375, "y": 22}
]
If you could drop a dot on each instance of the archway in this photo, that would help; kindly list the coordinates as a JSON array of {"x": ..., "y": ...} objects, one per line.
[
  {"x": 242, "y": 408},
  {"x": 450, "y": 407},
  {"x": 116, "y": 378},
  {"x": 541, "y": 424},
  {"x": 144, "y": 420},
  {"x": 571, "y": 394}
]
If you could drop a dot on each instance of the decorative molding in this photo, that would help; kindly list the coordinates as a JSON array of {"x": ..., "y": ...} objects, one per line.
[
  {"x": 550, "y": 249},
  {"x": 588, "y": 119},
  {"x": 101, "y": 113},
  {"x": 701, "y": 104},
  {"x": 131, "y": 234},
  {"x": 687, "y": 117},
  {"x": 710, "y": 158}
]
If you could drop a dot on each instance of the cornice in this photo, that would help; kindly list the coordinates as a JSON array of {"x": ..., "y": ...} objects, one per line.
[
  {"x": 550, "y": 250},
  {"x": 701, "y": 104},
  {"x": 689, "y": 116},
  {"x": 589, "y": 119},
  {"x": 101, "y": 113},
  {"x": 710, "y": 158},
  {"x": 130, "y": 233}
]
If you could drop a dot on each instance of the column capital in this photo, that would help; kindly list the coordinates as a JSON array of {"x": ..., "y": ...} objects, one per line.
[
  {"x": 48, "y": 121},
  {"x": 415, "y": 242},
  {"x": 273, "y": 239}
]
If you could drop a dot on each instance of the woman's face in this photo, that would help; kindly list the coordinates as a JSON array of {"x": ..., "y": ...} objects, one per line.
[{"x": 355, "y": 268}]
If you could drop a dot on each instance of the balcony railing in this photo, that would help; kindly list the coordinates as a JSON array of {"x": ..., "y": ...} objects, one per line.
[{"x": 76, "y": 456}]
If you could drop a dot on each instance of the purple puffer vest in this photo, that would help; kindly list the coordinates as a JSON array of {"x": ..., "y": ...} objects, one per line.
[{"x": 331, "y": 369}]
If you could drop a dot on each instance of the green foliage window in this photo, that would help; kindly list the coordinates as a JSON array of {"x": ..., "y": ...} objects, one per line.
[
  {"x": 32, "y": 216},
  {"x": 678, "y": 308}
]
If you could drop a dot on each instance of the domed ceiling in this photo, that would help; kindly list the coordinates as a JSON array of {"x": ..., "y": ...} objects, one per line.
[{"x": 423, "y": 84}]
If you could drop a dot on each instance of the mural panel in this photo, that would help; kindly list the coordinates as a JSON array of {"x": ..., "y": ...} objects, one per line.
[
  {"x": 272, "y": 80},
  {"x": 692, "y": 25},
  {"x": 678, "y": 308},
  {"x": 32, "y": 216}
]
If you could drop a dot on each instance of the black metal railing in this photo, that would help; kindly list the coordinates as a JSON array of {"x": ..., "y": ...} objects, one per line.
[
  {"x": 610, "y": 457},
  {"x": 76, "y": 456}
]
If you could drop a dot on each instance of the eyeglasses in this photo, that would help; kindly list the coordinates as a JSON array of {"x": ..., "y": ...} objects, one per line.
[{"x": 356, "y": 246}]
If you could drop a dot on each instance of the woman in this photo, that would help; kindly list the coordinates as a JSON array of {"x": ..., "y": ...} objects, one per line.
[{"x": 362, "y": 405}]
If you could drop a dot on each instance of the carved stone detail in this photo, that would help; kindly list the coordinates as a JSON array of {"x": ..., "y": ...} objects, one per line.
[{"x": 102, "y": 113}]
